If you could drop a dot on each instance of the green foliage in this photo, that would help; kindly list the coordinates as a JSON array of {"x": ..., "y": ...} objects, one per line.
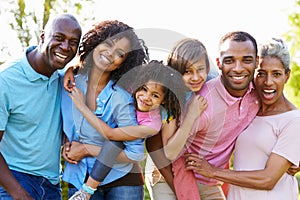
[
  {"x": 293, "y": 39},
  {"x": 28, "y": 20}
]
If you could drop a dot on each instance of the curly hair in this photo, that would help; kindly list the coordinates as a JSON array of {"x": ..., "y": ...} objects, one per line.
[
  {"x": 113, "y": 29},
  {"x": 170, "y": 79}
]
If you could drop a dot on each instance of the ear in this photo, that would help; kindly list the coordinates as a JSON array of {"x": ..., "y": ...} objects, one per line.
[
  {"x": 42, "y": 37},
  {"x": 287, "y": 76},
  {"x": 218, "y": 63}
]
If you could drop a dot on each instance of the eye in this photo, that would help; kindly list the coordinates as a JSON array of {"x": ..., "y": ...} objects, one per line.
[
  {"x": 58, "y": 38},
  {"x": 260, "y": 74},
  {"x": 248, "y": 60},
  {"x": 108, "y": 43},
  {"x": 74, "y": 42},
  {"x": 228, "y": 61},
  {"x": 277, "y": 74},
  {"x": 121, "y": 54},
  {"x": 187, "y": 72}
]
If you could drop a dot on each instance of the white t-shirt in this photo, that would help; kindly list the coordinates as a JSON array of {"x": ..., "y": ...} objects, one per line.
[{"x": 278, "y": 134}]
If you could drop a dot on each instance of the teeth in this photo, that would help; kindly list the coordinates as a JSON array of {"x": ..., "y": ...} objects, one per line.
[
  {"x": 269, "y": 91},
  {"x": 106, "y": 60},
  {"x": 238, "y": 77},
  {"x": 61, "y": 56}
]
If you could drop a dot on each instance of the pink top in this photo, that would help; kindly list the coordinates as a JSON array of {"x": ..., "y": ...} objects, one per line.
[
  {"x": 151, "y": 119},
  {"x": 277, "y": 134},
  {"x": 214, "y": 133}
]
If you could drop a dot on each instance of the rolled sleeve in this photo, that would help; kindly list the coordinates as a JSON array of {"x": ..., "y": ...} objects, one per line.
[{"x": 134, "y": 150}]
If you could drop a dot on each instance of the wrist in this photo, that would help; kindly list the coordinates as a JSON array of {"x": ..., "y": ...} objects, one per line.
[{"x": 88, "y": 189}]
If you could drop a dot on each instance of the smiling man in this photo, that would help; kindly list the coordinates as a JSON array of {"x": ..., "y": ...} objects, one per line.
[
  {"x": 232, "y": 105},
  {"x": 30, "y": 119}
]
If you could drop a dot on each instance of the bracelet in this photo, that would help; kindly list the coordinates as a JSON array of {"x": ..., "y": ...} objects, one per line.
[{"x": 88, "y": 189}]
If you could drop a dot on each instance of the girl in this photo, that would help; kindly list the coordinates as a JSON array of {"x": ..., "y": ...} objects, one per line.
[
  {"x": 189, "y": 57},
  {"x": 157, "y": 85}
]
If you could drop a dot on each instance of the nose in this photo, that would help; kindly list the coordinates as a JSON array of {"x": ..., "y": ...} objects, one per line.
[
  {"x": 238, "y": 66},
  {"x": 195, "y": 76},
  {"x": 65, "y": 45},
  {"x": 268, "y": 80}
]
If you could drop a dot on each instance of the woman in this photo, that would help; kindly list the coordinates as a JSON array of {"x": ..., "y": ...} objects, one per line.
[
  {"x": 108, "y": 50},
  {"x": 270, "y": 145}
]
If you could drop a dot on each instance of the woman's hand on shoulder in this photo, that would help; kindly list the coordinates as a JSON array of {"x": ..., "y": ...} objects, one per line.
[{"x": 69, "y": 81}]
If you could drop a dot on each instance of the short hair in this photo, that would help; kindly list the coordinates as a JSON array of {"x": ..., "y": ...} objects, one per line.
[
  {"x": 276, "y": 48},
  {"x": 238, "y": 36}
]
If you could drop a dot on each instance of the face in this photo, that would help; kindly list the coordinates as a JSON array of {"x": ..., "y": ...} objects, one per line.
[
  {"x": 59, "y": 43},
  {"x": 150, "y": 97},
  {"x": 110, "y": 54},
  {"x": 237, "y": 62},
  {"x": 270, "y": 79},
  {"x": 195, "y": 75}
]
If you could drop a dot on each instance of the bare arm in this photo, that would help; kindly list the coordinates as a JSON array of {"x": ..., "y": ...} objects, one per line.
[
  {"x": 78, "y": 151},
  {"x": 69, "y": 81},
  {"x": 118, "y": 134},
  {"x": 8, "y": 181},
  {"x": 176, "y": 141},
  {"x": 264, "y": 179}
]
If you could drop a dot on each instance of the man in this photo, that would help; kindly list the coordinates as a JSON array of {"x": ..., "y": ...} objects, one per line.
[
  {"x": 30, "y": 119},
  {"x": 232, "y": 105}
]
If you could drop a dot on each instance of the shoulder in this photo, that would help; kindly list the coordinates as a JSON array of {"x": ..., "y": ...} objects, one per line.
[{"x": 121, "y": 92}]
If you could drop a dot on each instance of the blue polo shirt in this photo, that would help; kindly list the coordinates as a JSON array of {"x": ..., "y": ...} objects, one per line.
[
  {"x": 31, "y": 120},
  {"x": 115, "y": 107}
]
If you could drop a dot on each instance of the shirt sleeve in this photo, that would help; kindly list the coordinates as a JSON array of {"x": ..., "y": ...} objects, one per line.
[
  {"x": 287, "y": 144},
  {"x": 125, "y": 116},
  {"x": 4, "y": 103}
]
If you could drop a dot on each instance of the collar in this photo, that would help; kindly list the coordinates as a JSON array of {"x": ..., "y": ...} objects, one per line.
[{"x": 230, "y": 100}]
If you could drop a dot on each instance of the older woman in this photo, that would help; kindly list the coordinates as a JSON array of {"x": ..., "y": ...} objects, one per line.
[{"x": 270, "y": 145}]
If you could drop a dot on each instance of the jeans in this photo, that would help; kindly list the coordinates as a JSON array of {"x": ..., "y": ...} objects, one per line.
[
  {"x": 38, "y": 187},
  {"x": 116, "y": 193}
]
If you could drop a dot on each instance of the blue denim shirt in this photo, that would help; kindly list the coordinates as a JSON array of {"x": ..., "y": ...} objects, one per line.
[{"x": 115, "y": 107}]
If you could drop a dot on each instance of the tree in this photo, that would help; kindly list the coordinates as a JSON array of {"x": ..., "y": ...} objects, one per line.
[
  {"x": 28, "y": 17},
  {"x": 293, "y": 40}
]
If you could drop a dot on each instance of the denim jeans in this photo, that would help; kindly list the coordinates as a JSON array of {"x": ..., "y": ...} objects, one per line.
[
  {"x": 38, "y": 187},
  {"x": 116, "y": 193}
]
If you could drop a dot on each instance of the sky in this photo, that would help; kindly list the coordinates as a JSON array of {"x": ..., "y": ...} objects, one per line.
[{"x": 162, "y": 22}]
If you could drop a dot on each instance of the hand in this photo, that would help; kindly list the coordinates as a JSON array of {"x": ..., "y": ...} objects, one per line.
[
  {"x": 69, "y": 81},
  {"x": 293, "y": 170},
  {"x": 77, "y": 151},
  {"x": 199, "y": 165},
  {"x": 65, "y": 152},
  {"x": 196, "y": 106},
  {"x": 77, "y": 97}
]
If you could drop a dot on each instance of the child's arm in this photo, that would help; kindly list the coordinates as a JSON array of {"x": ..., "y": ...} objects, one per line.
[
  {"x": 174, "y": 139},
  {"x": 69, "y": 81},
  {"x": 117, "y": 134}
]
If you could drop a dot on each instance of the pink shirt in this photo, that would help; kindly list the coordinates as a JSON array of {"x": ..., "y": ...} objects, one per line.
[
  {"x": 151, "y": 119},
  {"x": 214, "y": 133},
  {"x": 277, "y": 134}
]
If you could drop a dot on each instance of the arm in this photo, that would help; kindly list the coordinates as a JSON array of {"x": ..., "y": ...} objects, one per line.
[
  {"x": 118, "y": 134},
  {"x": 8, "y": 181},
  {"x": 175, "y": 143},
  {"x": 78, "y": 151},
  {"x": 264, "y": 179},
  {"x": 154, "y": 147},
  {"x": 69, "y": 81}
]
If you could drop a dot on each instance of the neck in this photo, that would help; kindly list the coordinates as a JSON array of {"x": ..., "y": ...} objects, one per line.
[
  {"x": 37, "y": 63},
  {"x": 279, "y": 107},
  {"x": 96, "y": 82}
]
